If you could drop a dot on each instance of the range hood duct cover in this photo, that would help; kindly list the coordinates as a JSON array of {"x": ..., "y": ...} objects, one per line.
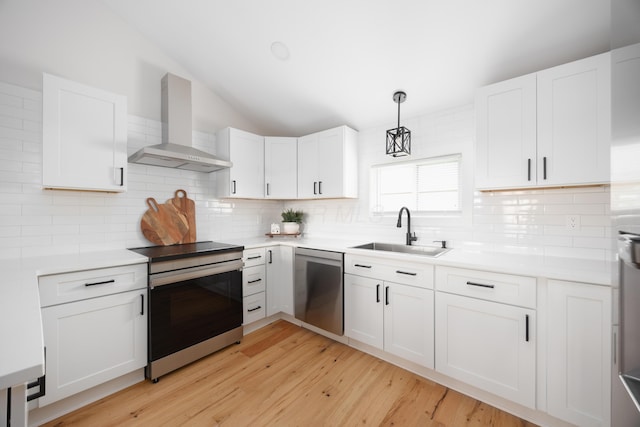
[{"x": 176, "y": 150}]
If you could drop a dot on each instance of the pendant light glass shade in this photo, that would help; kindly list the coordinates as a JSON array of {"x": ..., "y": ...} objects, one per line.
[{"x": 399, "y": 139}]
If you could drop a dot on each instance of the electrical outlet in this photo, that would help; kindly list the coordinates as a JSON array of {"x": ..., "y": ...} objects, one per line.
[{"x": 572, "y": 222}]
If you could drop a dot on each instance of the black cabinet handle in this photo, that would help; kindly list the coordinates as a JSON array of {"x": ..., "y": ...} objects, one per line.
[
  {"x": 254, "y": 309},
  {"x": 544, "y": 168},
  {"x": 254, "y": 257},
  {"x": 141, "y": 304},
  {"x": 121, "y": 177},
  {"x": 386, "y": 295},
  {"x": 254, "y": 281},
  {"x": 315, "y": 187},
  {"x": 526, "y": 327},
  {"x": 234, "y": 187},
  {"x": 528, "y": 169},
  {"x": 378, "y": 292},
  {"x": 408, "y": 273},
  {"x": 267, "y": 188},
  {"x": 100, "y": 283},
  {"x": 270, "y": 256},
  {"x": 481, "y": 285},
  {"x": 361, "y": 265},
  {"x": 319, "y": 187}
]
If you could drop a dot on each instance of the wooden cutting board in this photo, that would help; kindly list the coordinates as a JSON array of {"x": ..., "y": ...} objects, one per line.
[
  {"x": 163, "y": 224},
  {"x": 186, "y": 207}
]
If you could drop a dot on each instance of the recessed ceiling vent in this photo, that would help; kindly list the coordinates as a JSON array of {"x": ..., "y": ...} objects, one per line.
[{"x": 176, "y": 150}]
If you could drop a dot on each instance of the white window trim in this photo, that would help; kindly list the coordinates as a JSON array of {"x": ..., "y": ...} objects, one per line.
[{"x": 441, "y": 218}]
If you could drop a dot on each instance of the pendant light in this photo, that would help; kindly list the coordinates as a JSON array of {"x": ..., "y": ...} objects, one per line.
[{"x": 399, "y": 139}]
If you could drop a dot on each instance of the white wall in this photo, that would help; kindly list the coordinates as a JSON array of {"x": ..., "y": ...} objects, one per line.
[
  {"x": 84, "y": 41},
  {"x": 527, "y": 221}
]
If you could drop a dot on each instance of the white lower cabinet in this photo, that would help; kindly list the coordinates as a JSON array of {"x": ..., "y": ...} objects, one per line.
[
  {"x": 579, "y": 353},
  {"x": 484, "y": 335},
  {"x": 92, "y": 341},
  {"x": 390, "y": 316},
  {"x": 488, "y": 345},
  {"x": 94, "y": 326},
  {"x": 279, "y": 266}
]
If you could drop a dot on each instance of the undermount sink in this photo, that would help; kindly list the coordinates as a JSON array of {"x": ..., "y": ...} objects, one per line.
[{"x": 429, "y": 251}]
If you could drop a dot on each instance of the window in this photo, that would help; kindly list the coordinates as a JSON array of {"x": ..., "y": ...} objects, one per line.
[{"x": 427, "y": 186}]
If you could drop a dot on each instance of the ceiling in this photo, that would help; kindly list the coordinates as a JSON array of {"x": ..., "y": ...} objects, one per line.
[{"x": 348, "y": 57}]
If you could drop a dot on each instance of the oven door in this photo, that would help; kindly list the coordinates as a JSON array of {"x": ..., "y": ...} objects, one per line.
[{"x": 191, "y": 307}]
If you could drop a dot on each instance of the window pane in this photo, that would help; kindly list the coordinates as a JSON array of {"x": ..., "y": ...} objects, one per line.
[{"x": 426, "y": 185}]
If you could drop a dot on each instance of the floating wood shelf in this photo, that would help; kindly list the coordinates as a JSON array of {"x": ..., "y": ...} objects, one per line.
[{"x": 282, "y": 234}]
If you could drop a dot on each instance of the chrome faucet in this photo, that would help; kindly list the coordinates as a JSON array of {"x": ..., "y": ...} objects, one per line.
[{"x": 410, "y": 238}]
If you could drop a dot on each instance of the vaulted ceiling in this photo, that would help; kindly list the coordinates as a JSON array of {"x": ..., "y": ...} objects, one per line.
[{"x": 344, "y": 59}]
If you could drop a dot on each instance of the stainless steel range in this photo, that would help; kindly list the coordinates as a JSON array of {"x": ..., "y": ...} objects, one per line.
[{"x": 195, "y": 302}]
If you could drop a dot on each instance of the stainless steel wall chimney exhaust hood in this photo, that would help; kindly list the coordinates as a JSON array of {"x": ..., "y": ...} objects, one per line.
[{"x": 176, "y": 150}]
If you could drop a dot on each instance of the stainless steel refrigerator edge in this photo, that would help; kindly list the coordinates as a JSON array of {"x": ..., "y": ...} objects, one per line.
[
  {"x": 318, "y": 289},
  {"x": 625, "y": 200}
]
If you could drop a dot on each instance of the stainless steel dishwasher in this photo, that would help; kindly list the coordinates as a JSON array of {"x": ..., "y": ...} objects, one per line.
[{"x": 318, "y": 296}]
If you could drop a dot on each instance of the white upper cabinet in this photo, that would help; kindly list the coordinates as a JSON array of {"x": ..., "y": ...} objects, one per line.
[
  {"x": 84, "y": 137},
  {"x": 280, "y": 171},
  {"x": 328, "y": 164},
  {"x": 574, "y": 122},
  {"x": 545, "y": 129},
  {"x": 245, "y": 179},
  {"x": 506, "y": 134}
]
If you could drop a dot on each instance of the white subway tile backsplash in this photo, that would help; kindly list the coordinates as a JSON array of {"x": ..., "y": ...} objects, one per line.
[{"x": 44, "y": 222}]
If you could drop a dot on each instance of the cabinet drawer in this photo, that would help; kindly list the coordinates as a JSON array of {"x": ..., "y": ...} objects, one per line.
[
  {"x": 253, "y": 280},
  {"x": 504, "y": 288},
  {"x": 408, "y": 273},
  {"x": 79, "y": 285},
  {"x": 254, "y": 308},
  {"x": 253, "y": 257}
]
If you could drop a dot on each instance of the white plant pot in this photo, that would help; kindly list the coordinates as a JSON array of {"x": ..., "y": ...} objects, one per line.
[{"x": 290, "y": 227}]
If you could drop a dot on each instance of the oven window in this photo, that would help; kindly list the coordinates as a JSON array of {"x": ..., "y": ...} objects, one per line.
[{"x": 186, "y": 313}]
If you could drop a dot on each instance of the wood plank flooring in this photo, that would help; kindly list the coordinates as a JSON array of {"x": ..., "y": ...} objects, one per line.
[{"x": 284, "y": 375}]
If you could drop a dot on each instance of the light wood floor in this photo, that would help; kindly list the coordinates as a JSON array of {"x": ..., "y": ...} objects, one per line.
[{"x": 283, "y": 375}]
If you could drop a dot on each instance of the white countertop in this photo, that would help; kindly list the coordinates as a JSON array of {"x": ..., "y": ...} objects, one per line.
[
  {"x": 22, "y": 359},
  {"x": 570, "y": 269},
  {"x": 22, "y": 354}
]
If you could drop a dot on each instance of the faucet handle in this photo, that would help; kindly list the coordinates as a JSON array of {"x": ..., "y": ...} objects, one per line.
[
  {"x": 443, "y": 242},
  {"x": 414, "y": 237}
]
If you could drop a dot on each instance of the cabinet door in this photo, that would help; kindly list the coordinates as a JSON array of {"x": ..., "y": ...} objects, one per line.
[
  {"x": 280, "y": 167},
  {"x": 93, "y": 341},
  {"x": 279, "y": 280},
  {"x": 574, "y": 122},
  {"x": 409, "y": 323},
  {"x": 330, "y": 160},
  {"x": 308, "y": 167},
  {"x": 488, "y": 345},
  {"x": 579, "y": 353},
  {"x": 506, "y": 134},
  {"x": 364, "y": 310},
  {"x": 247, "y": 173},
  {"x": 84, "y": 137}
]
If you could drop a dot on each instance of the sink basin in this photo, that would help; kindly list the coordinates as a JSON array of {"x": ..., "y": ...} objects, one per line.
[{"x": 429, "y": 251}]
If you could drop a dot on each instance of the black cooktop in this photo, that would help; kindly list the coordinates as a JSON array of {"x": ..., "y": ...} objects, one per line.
[{"x": 185, "y": 250}]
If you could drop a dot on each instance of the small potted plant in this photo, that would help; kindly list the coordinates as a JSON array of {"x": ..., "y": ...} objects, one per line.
[{"x": 291, "y": 220}]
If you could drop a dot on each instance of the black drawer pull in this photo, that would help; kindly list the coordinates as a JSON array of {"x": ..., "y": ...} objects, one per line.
[
  {"x": 254, "y": 257},
  {"x": 481, "y": 285},
  {"x": 100, "y": 283},
  {"x": 408, "y": 273},
  {"x": 544, "y": 168},
  {"x": 141, "y": 304},
  {"x": 361, "y": 265},
  {"x": 254, "y": 281},
  {"x": 528, "y": 169},
  {"x": 386, "y": 295},
  {"x": 254, "y": 309},
  {"x": 378, "y": 292},
  {"x": 526, "y": 327}
]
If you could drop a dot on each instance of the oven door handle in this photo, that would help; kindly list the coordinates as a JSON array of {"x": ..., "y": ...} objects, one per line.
[{"x": 160, "y": 279}]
